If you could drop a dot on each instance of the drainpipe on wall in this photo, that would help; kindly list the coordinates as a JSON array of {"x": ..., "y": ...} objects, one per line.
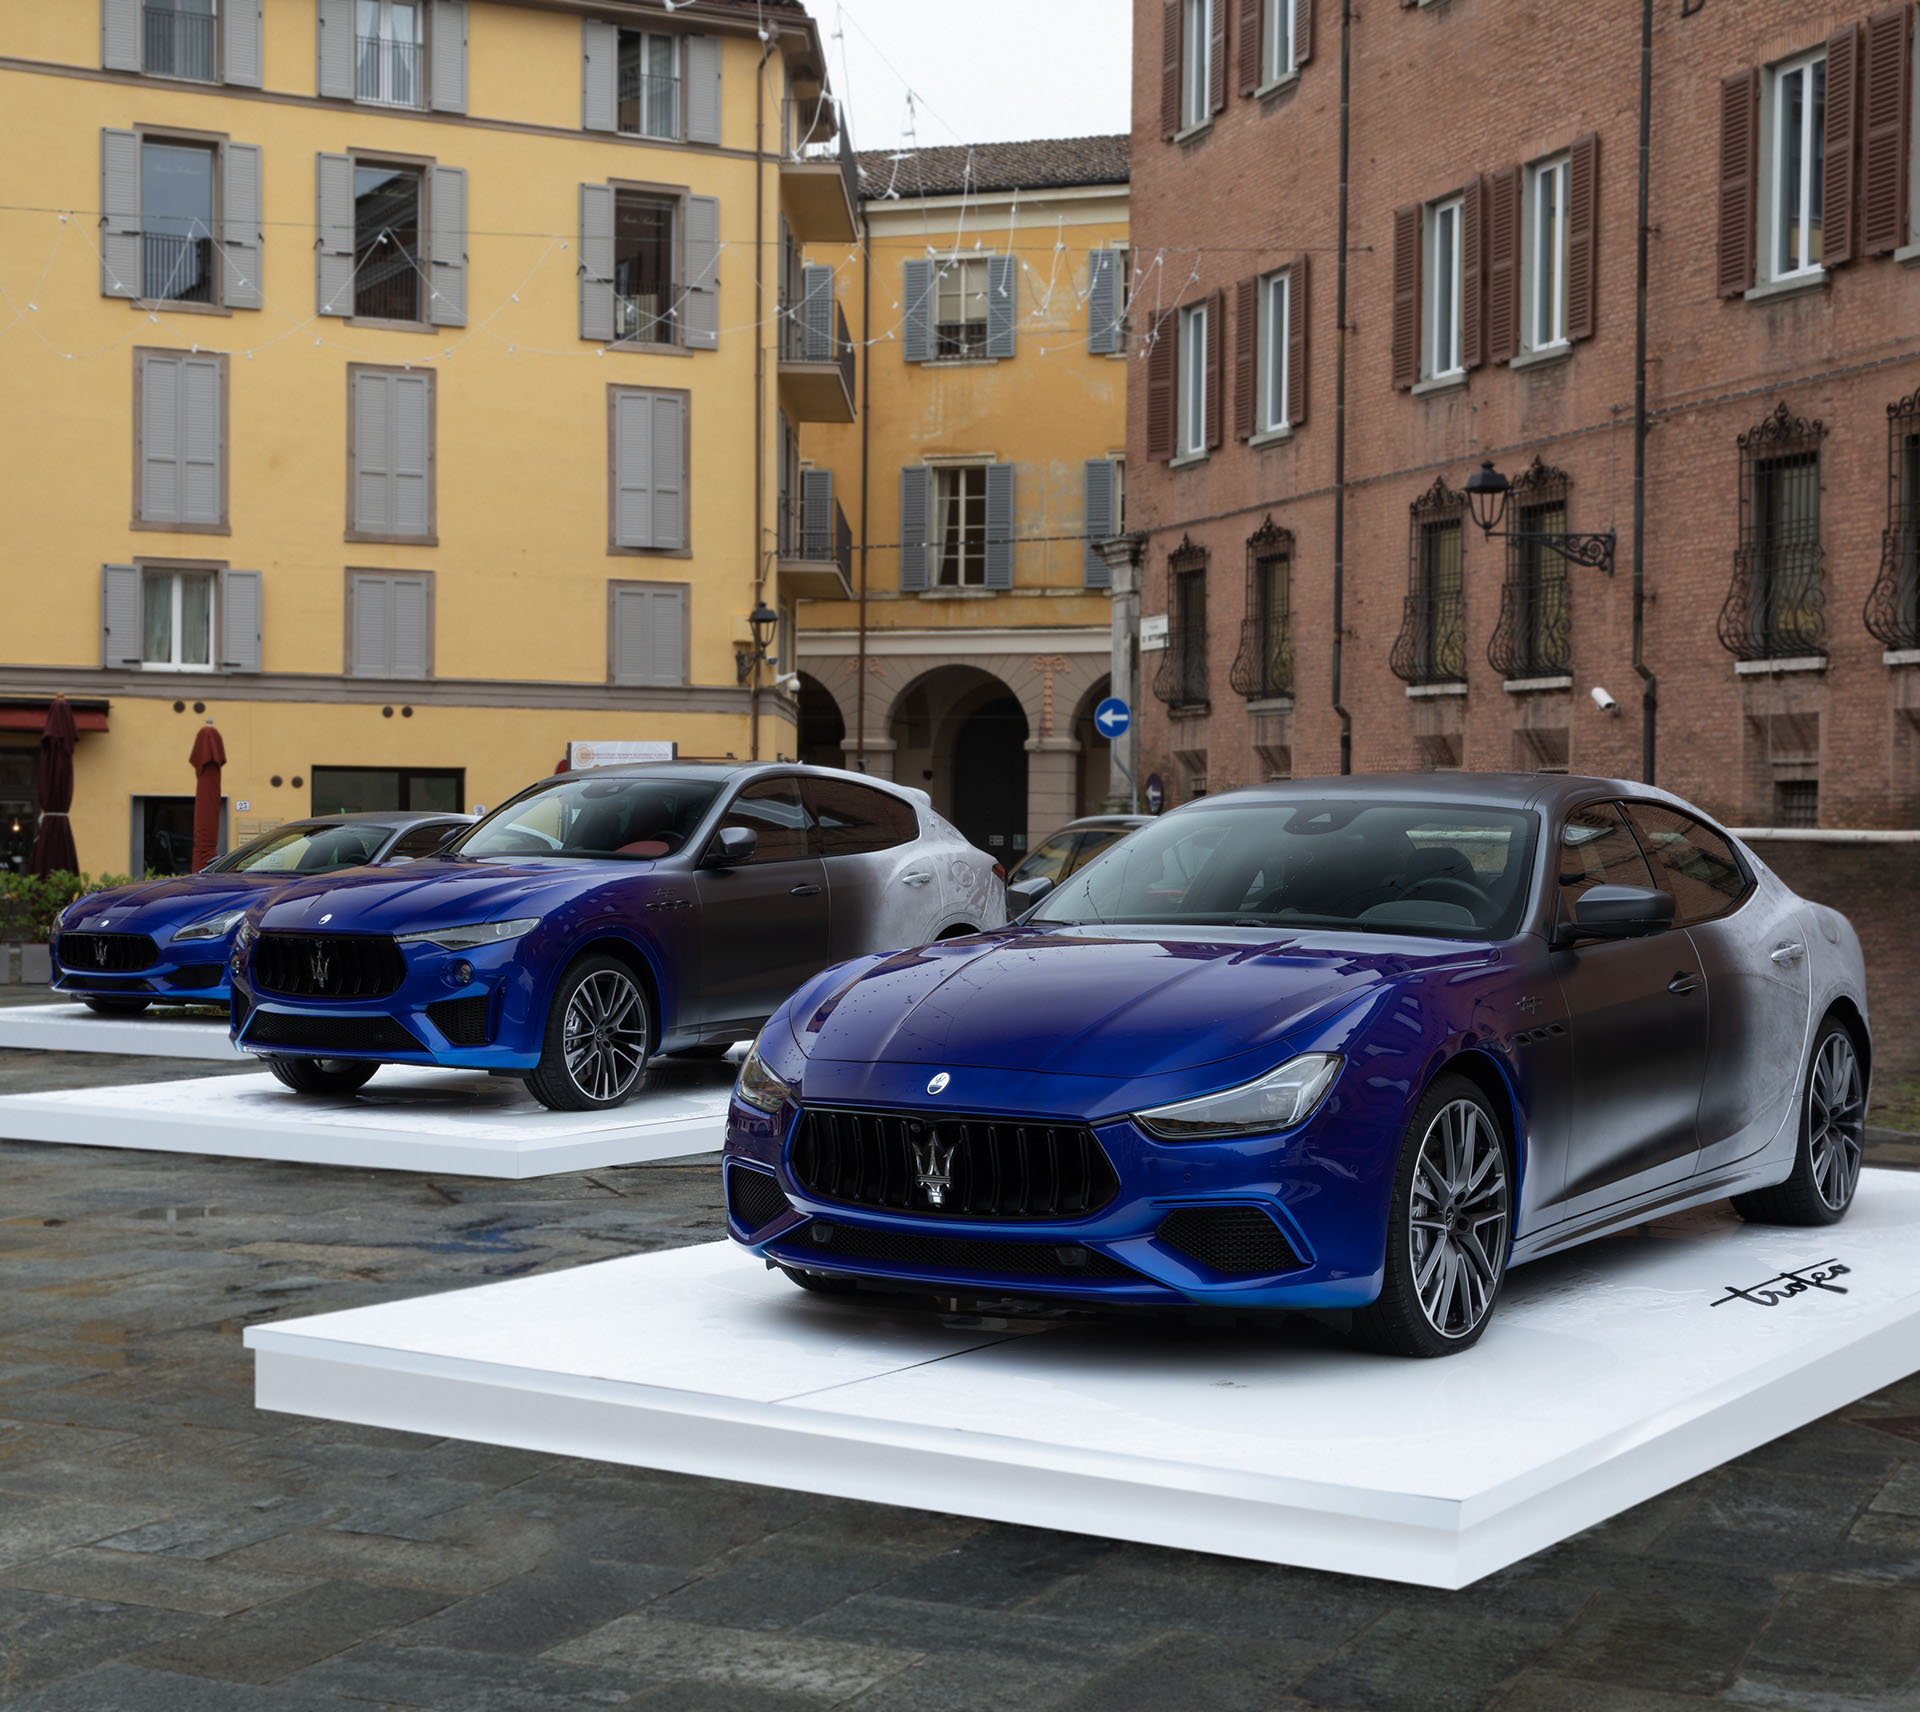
[
  {"x": 866, "y": 423},
  {"x": 1340, "y": 401},
  {"x": 759, "y": 380},
  {"x": 1649, "y": 685}
]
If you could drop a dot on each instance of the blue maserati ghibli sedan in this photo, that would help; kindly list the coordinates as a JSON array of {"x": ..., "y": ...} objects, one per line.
[
  {"x": 598, "y": 918},
  {"x": 1354, "y": 1044},
  {"x": 166, "y": 941}
]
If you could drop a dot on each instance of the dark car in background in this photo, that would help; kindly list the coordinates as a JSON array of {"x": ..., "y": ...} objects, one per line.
[{"x": 1064, "y": 853}]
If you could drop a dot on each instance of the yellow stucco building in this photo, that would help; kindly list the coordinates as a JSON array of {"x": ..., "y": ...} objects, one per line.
[
  {"x": 991, "y": 291},
  {"x": 397, "y": 385}
]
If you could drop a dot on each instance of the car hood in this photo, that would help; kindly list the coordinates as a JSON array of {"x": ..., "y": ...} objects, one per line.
[
  {"x": 155, "y": 906},
  {"x": 1103, "y": 1002},
  {"x": 433, "y": 893}
]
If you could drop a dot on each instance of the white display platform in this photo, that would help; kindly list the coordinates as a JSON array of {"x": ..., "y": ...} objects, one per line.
[
  {"x": 159, "y": 1032},
  {"x": 444, "y": 1122},
  {"x": 1610, "y": 1374}
]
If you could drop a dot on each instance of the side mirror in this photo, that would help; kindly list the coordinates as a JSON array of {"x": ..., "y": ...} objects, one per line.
[
  {"x": 453, "y": 832},
  {"x": 731, "y": 846},
  {"x": 1022, "y": 895},
  {"x": 1616, "y": 912}
]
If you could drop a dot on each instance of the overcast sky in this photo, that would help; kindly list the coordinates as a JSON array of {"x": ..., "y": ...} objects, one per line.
[{"x": 981, "y": 71}]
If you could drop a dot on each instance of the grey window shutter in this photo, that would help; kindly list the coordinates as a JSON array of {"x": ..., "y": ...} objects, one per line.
[
  {"x": 119, "y": 214},
  {"x": 633, "y": 469},
  {"x": 159, "y": 438},
  {"x": 816, "y": 315},
  {"x": 334, "y": 73},
  {"x": 916, "y": 291},
  {"x": 372, "y": 438},
  {"x": 629, "y": 636},
  {"x": 1001, "y": 277},
  {"x": 411, "y": 448},
  {"x": 999, "y": 526},
  {"x": 916, "y": 496},
  {"x": 666, "y": 628},
  {"x": 1098, "y": 573},
  {"x": 447, "y": 74},
  {"x": 180, "y": 439},
  {"x": 241, "y": 43},
  {"x": 240, "y": 221},
  {"x": 120, "y": 27},
  {"x": 372, "y": 627},
  {"x": 703, "y": 89},
  {"x": 333, "y": 244},
  {"x": 669, "y": 458},
  {"x": 407, "y": 643},
  {"x": 700, "y": 299},
  {"x": 816, "y": 514},
  {"x": 447, "y": 246},
  {"x": 240, "y": 621},
  {"x": 1103, "y": 302},
  {"x": 599, "y": 75},
  {"x": 201, "y": 451},
  {"x": 119, "y": 616},
  {"x": 596, "y": 262}
]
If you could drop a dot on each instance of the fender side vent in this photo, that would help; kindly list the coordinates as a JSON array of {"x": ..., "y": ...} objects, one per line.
[{"x": 1237, "y": 1242}]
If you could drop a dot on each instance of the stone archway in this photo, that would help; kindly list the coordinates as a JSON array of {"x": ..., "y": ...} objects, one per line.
[
  {"x": 821, "y": 731},
  {"x": 1094, "y": 762},
  {"x": 960, "y": 733}
]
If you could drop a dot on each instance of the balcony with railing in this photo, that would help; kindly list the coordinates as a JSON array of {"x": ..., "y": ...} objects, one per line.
[
  {"x": 179, "y": 43},
  {"x": 1776, "y": 603},
  {"x": 1893, "y": 605},
  {"x": 816, "y": 545},
  {"x": 816, "y": 360},
  {"x": 390, "y": 72},
  {"x": 818, "y": 175},
  {"x": 649, "y": 102},
  {"x": 175, "y": 268}
]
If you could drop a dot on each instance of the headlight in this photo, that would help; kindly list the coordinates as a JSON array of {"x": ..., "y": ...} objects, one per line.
[
  {"x": 471, "y": 938},
  {"x": 758, "y": 1087},
  {"x": 213, "y": 926},
  {"x": 246, "y": 936},
  {"x": 1277, "y": 1101}
]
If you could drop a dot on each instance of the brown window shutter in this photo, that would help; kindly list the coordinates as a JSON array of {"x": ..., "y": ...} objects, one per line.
[
  {"x": 1302, "y": 31},
  {"x": 1246, "y": 344},
  {"x": 1839, "y": 234},
  {"x": 1298, "y": 316},
  {"x": 1739, "y": 161},
  {"x": 1473, "y": 274},
  {"x": 1217, "y": 58},
  {"x": 1170, "y": 69},
  {"x": 1406, "y": 296},
  {"x": 1583, "y": 235},
  {"x": 1503, "y": 264},
  {"x": 1885, "y": 107},
  {"x": 1216, "y": 368},
  {"x": 1161, "y": 373},
  {"x": 1250, "y": 35}
]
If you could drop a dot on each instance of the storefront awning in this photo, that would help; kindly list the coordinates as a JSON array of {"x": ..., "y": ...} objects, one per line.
[{"x": 30, "y": 714}]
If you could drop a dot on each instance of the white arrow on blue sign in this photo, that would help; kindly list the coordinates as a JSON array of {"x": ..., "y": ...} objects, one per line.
[{"x": 1113, "y": 717}]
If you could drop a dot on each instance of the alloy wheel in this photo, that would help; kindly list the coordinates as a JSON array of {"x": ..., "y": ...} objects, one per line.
[
  {"x": 1836, "y": 1121},
  {"x": 604, "y": 1036},
  {"x": 1457, "y": 1218}
]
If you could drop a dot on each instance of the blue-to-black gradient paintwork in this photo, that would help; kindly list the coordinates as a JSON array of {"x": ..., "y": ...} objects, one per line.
[{"x": 1618, "y": 1095}]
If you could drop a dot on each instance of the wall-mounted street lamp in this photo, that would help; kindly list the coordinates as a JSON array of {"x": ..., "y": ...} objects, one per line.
[
  {"x": 763, "y": 621},
  {"x": 1487, "y": 494}
]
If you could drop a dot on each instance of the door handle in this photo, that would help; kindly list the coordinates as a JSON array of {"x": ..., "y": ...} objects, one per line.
[
  {"x": 1791, "y": 952},
  {"x": 805, "y": 891},
  {"x": 915, "y": 879},
  {"x": 1684, "y": 982}
]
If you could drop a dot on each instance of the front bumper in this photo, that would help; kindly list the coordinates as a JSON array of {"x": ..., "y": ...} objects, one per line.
[{"x": 193, "y": 973}]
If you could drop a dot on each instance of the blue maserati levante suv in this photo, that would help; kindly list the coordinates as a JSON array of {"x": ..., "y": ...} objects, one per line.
[
  {"x": 1353, "y": 1044},
  {"x": 167, "y": 941},
  {"x": 596, "y": 919}
]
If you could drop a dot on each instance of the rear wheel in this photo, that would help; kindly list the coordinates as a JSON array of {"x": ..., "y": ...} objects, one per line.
[
  {"x": 117, "y": 1007},
  {"x": 323, "y": 1075},
  {"x": 596, "y": 1039},
  {"x": 1833, "y": 1134}
]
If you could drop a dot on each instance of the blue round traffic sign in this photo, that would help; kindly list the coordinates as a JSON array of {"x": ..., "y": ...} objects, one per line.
[{"x": 1112, "y": 717}]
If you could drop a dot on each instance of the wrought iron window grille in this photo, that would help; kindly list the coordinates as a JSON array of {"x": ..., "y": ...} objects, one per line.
[
  {"x": 1181, "y": 681},
  {"x": 1432, "y": 645},
  {"x": 1533, "y": 636},
  {"x": 1264, "y": 665},
  {"x": 1775, "y": 604},
  {"x": 1893, "y": 604}
]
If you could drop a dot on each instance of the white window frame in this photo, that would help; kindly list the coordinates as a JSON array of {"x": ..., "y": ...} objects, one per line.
[
  {"x": 1119, "y": 461},
  {"x": 1440, "y": 323},
  {"x": 1190, "y": 416},
  {"x": 962, "y": 282},
  {"x": 941, "y": 500},
  {"x": 1196, "y": 62},
  {"x": 177, "y": 576},
  {"x": 1272, "y": 352},
  {"x": 384, "y": 35},
  {"x": 676, "y": 77},
  {"x": 1778, "y": 262},
  {"x": 1276, "y": 41},
  {"x": 1544, "y": 265}
]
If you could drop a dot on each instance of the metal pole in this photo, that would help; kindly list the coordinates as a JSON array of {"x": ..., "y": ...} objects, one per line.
[
  {"x": 1340, "y": 400},
  {"x": 866, "y": 424},
  {"x": 1650, "y": 688}
]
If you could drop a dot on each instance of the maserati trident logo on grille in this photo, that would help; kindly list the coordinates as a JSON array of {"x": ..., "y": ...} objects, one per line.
[
  {"x": 100, "y": 952},
  {"x": 933, "y": 1167},
  {"x": 939, "y": 1084},
  {"x": 320, "y": 965}
]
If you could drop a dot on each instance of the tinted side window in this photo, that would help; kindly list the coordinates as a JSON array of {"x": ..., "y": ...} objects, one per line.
[
  {"x": 1049, "y": 862},
  {"x": 1695, "y": 865},
  {"x": 1597, "y": 849},
  {"x": 781, "y": 824},
  {"x": 418, "y": 841},
  {"x": 855, "y": 819},
  {"x": 1090, "y": 846}
]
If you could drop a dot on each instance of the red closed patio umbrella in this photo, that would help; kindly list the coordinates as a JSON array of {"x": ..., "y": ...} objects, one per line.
[
  {"x": 208, "y": 757},
  {"x": 53, "y": 851}
]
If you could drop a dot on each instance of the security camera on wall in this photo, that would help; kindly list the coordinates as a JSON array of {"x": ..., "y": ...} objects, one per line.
[{"x": 1603, "y": 701}]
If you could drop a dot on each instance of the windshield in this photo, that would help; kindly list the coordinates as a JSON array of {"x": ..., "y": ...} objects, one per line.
[
  {"x": 1455, "y": 871},
  {"x": 307, "y": 849},
  {"x": 581, "y": 816}
]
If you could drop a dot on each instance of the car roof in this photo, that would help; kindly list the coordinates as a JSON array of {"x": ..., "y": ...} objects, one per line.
[
  {"x": 1087, "y": 820},
  {"x": 720, "y": 772},
  {"x": 1545, "y": 791},
  {"x": 377, "y": 817}
]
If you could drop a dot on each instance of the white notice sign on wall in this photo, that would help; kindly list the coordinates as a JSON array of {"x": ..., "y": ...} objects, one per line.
[{"x": 583, "y": 755}]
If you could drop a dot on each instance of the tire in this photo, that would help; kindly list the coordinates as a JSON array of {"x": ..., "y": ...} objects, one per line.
[
  {"x": 1826, "y": 1161},
  {"x": 1448, "y": 1229},
  {"x": 323, "y": 1075},
  {"x": 116, "y": 1007},
  {"x": 595, "y": 1045}
]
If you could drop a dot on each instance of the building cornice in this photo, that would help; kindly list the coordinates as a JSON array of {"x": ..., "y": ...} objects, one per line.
[{"x": 959, "y": 644}]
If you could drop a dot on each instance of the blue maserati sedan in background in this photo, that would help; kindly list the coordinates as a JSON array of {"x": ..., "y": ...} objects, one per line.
[
  {"x": 598, "y": 918},
  {"x": 166, "y": 941},
  {"x": 1354, "y": 1044}
]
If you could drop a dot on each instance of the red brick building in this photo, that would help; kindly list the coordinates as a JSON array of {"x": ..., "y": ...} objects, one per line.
[{"x": 1491, "y": 299}]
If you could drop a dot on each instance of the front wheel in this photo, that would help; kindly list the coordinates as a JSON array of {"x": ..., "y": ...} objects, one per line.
[
  {"x": 596, "y": 1039},
  {"x": 116, "y": 1007},
  {"x": 323, "y": 1075},
  {"x": 1448, "y": 1229},
  {"x": 1833, "y": 1134}
]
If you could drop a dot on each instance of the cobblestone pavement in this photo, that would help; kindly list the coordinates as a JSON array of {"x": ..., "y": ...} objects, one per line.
[{"x": 165, "y": 1548}]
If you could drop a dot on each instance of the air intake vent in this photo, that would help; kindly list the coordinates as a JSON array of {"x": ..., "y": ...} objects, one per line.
[
  {"x": 327, "y": 965},
  {"x": 323, "y": 1034},
  {"x": 1239, "y": 1242},
  {"x": 754, "y": 1198},
  {"x": 462, "y": 1021},
  {"x": 967, "y": 1256},
  {"x": 197, "y": 975},
  {"x": 108, "y": 953}
]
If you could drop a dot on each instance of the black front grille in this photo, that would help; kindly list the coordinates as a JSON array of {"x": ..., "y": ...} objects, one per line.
[
  {"x": 110, "y": 953},
  {"x": 996, "y": 1168},
  {"x": 970, "y": 1255},
  {"x": 328, "y": 965},
  {"x": 322, "y": 1034},
  {"x": 1241, "y": 1242},
  {"x": 753, "y": 1197},
  {"x": 462, "y": 1021},
  {"x": 197, "y": 975}
]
